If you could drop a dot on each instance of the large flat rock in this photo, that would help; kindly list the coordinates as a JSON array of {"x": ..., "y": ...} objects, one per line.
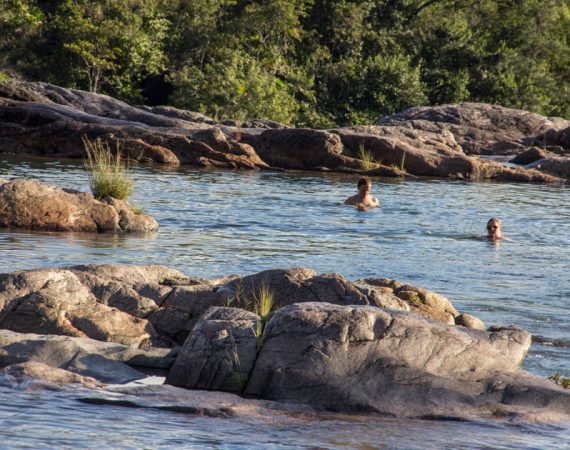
[{"x": 42, "y": 119}]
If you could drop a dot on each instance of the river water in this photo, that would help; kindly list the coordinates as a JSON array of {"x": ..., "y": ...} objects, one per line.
[{"x": 215, "y": 223}]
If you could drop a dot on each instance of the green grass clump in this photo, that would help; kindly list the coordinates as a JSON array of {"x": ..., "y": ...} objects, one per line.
[
  {"x": 367, "y": 160},
  {"x": 263, "y": 303},
  {"x": 559, "y": 380},
  {"x": 108, "y": 170},
  {"x": 260, "y": 304}
]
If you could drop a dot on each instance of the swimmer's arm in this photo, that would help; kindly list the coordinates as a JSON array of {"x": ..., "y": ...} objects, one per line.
[{"x": 350, "y": 201}]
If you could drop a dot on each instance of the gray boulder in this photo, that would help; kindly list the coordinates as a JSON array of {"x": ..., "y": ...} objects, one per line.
[
  {"x": 34, "y": 205},
  {"x": 107, "y": 303},
  {"x": 220, "y": 352},
  {"x": 469, "y": 321},
  {"x": 301, "y": 285},
  {"x": 361, "y": 358},
  {"x": 105, "y": 362}
]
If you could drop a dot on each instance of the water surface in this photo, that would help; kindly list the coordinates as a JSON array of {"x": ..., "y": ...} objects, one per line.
[{"x": 215, "y": 223}]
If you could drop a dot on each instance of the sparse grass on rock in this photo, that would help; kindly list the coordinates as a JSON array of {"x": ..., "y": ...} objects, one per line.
[
  {"x": 367, "y": 160},
  {"x": 107, "y": 169}
]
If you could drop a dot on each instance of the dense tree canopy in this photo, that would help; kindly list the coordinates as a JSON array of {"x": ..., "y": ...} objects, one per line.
[{"x": 312, "y": 63}]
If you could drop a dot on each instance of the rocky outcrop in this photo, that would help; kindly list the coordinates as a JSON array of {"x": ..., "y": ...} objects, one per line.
[
  {"x": 366, "y": 359},
  {"x": 34, "y": 205},
  {"x": 154, "y": 305},
  {"x": 478, "y": 127},
  {"x": 558, "y": 166},
  {"x": 105, "y": 362},
  {"x": 106, "y": 303},
  {"x": 39, "y": 118}
]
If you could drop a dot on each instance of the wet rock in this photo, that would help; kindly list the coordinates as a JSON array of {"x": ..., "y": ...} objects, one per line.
[
  {"x": 105, "y": 362},
  {"x": 202, "y": 403},
  {"x": 34, "y": 205},
  {"x": 361, "y": 358},
  {"x": 220, "y": 352},
  {"x": 529, "y": 156},
  {"x": 558, "y": 166},
  {"x": 469, "y": 321}
]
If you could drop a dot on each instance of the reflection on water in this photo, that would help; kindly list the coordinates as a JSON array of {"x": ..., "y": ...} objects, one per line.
[{"x": 215, "y": 223}]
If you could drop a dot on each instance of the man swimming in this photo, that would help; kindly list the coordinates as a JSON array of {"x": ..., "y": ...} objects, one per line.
[
  {"x": 495, "y": 230},
  {"x": 363, "y": 200}
]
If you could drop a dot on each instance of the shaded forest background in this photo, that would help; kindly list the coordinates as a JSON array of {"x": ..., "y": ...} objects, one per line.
[{"x": 317, "y": 63}]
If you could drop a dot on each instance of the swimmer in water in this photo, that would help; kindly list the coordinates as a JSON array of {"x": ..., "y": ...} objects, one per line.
[
  {"x": 363, "y": 200},
  {"x": 495, "y": 230}
]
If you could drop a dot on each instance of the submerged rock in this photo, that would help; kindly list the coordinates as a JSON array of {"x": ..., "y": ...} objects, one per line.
[{"x": 34, "y": 205}]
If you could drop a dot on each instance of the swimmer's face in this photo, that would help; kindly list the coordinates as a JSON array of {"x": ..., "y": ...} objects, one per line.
[
  {"x": 494, "y": 228},
  {"x": 365, "y": 188}
]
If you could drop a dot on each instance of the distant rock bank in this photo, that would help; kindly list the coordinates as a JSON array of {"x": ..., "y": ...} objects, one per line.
[
  {"x": 373, "y": 345},
  {"x": 42, "y": 119}
]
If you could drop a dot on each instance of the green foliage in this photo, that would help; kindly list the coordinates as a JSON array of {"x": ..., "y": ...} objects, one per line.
[
  {"x": 108, "y": 175},
  {"x": 307, "y": 63},
  {"x": 237, "y": 88},
  {"x": 560, "y": 380}
]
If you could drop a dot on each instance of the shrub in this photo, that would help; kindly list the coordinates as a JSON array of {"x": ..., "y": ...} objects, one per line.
[{"x": 108, "y": 171}]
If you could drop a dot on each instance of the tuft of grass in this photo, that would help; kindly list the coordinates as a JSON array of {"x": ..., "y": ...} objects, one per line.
[
  {"x": 263, "y": 303},
  {"x": 237, "y": 372},
  {"x": 138, "y": 210},
  {"x": 259, "y": 332},
  {"x": 403, "y": 160},
  {"x": 108, "y": 171},
  {"x": 367, "y": 160},
  {"x": 560, "y": 380},
  {"x": 240, "y": 297}
]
